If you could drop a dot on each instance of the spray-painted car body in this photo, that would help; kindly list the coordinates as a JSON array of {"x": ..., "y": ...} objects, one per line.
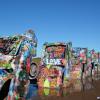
[
  {"x": 55, "y": 61},
  {"x": 84, "y": 62},
  {"x": 94, "y": 62},
  {"x": 79, "y": 58},
  {"x": 11, "y": 49}
]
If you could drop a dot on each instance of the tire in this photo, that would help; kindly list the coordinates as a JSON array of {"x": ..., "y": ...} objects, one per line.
[{"x": 33, "y": 71}]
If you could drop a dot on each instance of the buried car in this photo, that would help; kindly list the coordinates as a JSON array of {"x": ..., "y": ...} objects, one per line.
[
  {"x": 11, "y": 49},
  {"x": 16, "y": 54},
  {"x": 56, "y": 65}
]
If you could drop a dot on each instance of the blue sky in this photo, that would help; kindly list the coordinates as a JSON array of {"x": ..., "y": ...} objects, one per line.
[{"x": 53, "y": 20}]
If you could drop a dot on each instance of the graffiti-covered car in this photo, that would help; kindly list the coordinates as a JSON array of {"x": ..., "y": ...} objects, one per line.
[
  {"x": 11, "y": 48},
  {"x": 17, "y": 52},
  {"x": 55, "y": 61},
  {"x": 84, "y": 62},
  {"x": 79, "y": 61}
]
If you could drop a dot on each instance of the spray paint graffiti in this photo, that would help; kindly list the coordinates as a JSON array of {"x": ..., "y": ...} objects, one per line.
[
  {"x": 56, "y": 69},
  {"x": 16, "y": 53}
]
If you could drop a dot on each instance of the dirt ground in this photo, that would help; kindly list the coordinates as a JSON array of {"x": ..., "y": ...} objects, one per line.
[{"x": 78, "y": 91}]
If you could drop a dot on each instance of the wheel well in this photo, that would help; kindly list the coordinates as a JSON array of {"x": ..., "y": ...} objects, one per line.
[
  {"x": 34, "y": 64},
  {"x": 5, "y": 89},
  {"x": 9, "y": 70}
]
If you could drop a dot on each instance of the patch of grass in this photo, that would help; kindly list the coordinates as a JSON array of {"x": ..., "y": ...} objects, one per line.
[{"x": 37, "y": 60}]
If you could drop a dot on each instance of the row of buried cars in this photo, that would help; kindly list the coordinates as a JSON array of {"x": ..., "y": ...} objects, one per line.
[{"x": 60, "y": 62}]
